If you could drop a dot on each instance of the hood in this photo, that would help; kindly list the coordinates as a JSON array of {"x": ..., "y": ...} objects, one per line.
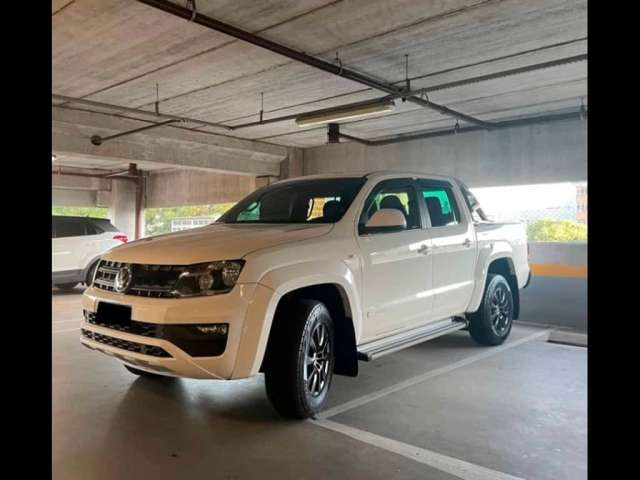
[{"x": 218, "y": 241}]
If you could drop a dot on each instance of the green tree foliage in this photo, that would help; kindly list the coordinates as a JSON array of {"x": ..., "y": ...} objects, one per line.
[
  {"x": 556, "y": 231},
  {"x": 158, "y": 220},
  {"x": 95, "y": 212}
]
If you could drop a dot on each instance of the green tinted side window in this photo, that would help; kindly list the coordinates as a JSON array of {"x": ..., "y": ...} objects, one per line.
[
  {"x": 442, "y": 197},
  {"x": 441, "y": 204},
  {"x": 252, "y": 213}
]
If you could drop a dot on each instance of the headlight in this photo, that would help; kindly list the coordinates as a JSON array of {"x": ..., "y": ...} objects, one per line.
[{"x": 208, "y": 278}]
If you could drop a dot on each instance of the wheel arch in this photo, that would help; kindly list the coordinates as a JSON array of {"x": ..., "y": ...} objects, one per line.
[
  {"x": 499, "y": 263},
  {"x": 334, "y": 284},
  {"x": 87, "y": 268},
  {"x": 336, "y": 299}
]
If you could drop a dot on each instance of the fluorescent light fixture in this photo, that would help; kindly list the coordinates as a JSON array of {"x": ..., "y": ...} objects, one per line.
[{"x": 346, "y": 112}]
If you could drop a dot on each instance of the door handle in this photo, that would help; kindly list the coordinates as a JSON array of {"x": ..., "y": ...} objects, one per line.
[
  {"x": 466, "y": 243},
  {"x": 424, "y": 249}
]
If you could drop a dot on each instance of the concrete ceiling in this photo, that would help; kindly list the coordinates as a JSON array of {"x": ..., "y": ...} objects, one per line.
[{"x": 116, "y": 51}]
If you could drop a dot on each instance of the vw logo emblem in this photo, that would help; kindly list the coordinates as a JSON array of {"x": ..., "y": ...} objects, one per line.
[{"x": 123, "y": 279}]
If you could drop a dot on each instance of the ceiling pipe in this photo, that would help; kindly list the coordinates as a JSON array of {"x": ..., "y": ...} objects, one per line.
[
  {"x": 99, "y": 140},
  {"x": 301, "y": 57},
  {"x": 137, "y": 111},
  {"x": 444, "y": 86},
  {"x": 131, "y": 173},
  {"x": 91, "y": 175},
  {"x": 519, "y": 122}
]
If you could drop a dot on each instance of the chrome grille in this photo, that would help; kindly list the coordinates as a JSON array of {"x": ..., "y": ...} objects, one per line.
[
  {"x": 106, "y": 275},
  {"x": 156, "y": 281}
]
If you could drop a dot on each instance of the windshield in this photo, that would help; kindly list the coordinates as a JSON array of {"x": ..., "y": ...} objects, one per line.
[{"x": 304, "y": 201}]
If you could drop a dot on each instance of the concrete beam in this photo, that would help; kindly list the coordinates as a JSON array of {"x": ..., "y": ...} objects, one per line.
[
  {"x": 167, "y": 146},
  {"x": 547, "y": 153},
  {"x": 183, "y": 187},
  {"x": 72, "y": 182},
  {"x": 73, "y": 198}
]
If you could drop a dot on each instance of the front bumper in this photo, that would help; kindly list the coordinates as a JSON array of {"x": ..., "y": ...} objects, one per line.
[{"x": 164, "y": 357}]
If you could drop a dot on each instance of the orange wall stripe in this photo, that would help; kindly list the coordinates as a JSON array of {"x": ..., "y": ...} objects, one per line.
[{"x": 558, "y": 270}]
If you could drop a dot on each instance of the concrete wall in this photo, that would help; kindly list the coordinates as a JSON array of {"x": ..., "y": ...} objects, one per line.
[
  {"x": 557, "y": 294},
  {"x": 189, "y": 187},
  {"x": 554, "y": 152},
  {"x": 559, "y": 253}
]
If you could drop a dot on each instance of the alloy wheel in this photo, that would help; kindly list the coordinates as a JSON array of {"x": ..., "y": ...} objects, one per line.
[
  {"x": 317, "y": 360},
  {"x": 500, "y": 310}
]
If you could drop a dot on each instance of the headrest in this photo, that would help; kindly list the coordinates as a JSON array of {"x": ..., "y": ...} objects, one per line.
[
  {"x": 331, "y": 210},
  {"x": 392, "y": 201},
  {"x": 433, "y": 204}
]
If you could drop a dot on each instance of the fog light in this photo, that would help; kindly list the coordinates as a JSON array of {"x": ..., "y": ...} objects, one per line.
[{"x": 219, "y": 329}]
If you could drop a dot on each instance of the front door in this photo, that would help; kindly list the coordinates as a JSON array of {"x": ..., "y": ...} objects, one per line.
[{"x": 397, "y": 271}]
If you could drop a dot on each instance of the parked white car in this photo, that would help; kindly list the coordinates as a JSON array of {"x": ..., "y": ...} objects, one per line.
[
  {"x": 76, "y": 246},
  {"x": 305, "y": 277}
]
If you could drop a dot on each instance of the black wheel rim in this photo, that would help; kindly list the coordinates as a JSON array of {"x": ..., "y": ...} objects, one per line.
[
  {"x": 500, "y": 310},
  {"x": 317, "y": 360}
]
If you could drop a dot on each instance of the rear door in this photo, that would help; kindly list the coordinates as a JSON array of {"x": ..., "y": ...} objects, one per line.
[
  {"x": 396, "y": 270},
  {"x": 109, "y": 235},
  {"x": 96, "y": 241},
  {"x": 68, "y": 246},
  {"x": 453, "y": 248}
]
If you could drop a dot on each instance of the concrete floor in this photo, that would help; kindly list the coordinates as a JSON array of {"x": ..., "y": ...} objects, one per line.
[{"x": 455, "y": 409}]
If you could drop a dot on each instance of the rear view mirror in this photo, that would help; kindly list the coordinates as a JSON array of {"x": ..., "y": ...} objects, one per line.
[{"x": 386, "y": 220}]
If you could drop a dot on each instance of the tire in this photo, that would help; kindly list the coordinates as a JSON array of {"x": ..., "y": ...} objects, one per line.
[
  {"x": 66, "y": 286},
  {"x": 300, "y": 359},
  {"x": 143, "y": 373},
  {"x": 492, "y": 323}
]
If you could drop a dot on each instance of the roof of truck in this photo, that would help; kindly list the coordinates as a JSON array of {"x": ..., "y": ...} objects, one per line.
[{"x": 371, "y": 174}]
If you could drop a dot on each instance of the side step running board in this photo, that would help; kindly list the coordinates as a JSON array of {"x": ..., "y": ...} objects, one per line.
[{"x": 378, "y": 348}]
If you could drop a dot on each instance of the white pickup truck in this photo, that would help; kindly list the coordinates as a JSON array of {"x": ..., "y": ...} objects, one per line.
[{"x": 305, "y": 277}]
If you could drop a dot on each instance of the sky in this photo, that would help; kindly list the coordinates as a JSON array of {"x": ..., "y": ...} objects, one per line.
[{"x": 495, "y": 200}]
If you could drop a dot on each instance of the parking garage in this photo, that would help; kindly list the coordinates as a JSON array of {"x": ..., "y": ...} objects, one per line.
[{"x": 164, "y": 114}]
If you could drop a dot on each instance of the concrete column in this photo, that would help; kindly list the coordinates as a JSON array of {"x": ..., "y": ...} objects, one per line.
[
  {"x": 292, "y": 166},
  {"x": 123, "y": 206},
  {"x": 264, "y": 181}
]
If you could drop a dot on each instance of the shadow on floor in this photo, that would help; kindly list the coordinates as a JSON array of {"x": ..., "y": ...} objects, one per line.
[{"x": 57, "y": 292}]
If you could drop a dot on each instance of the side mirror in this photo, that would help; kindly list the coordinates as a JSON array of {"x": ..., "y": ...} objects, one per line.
[{"x": 386, "y": 220}]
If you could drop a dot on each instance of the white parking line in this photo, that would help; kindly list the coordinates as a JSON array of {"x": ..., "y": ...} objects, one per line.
[
  {"x": 358, "y": 402},
  {"x": 450, "y": 465}
]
